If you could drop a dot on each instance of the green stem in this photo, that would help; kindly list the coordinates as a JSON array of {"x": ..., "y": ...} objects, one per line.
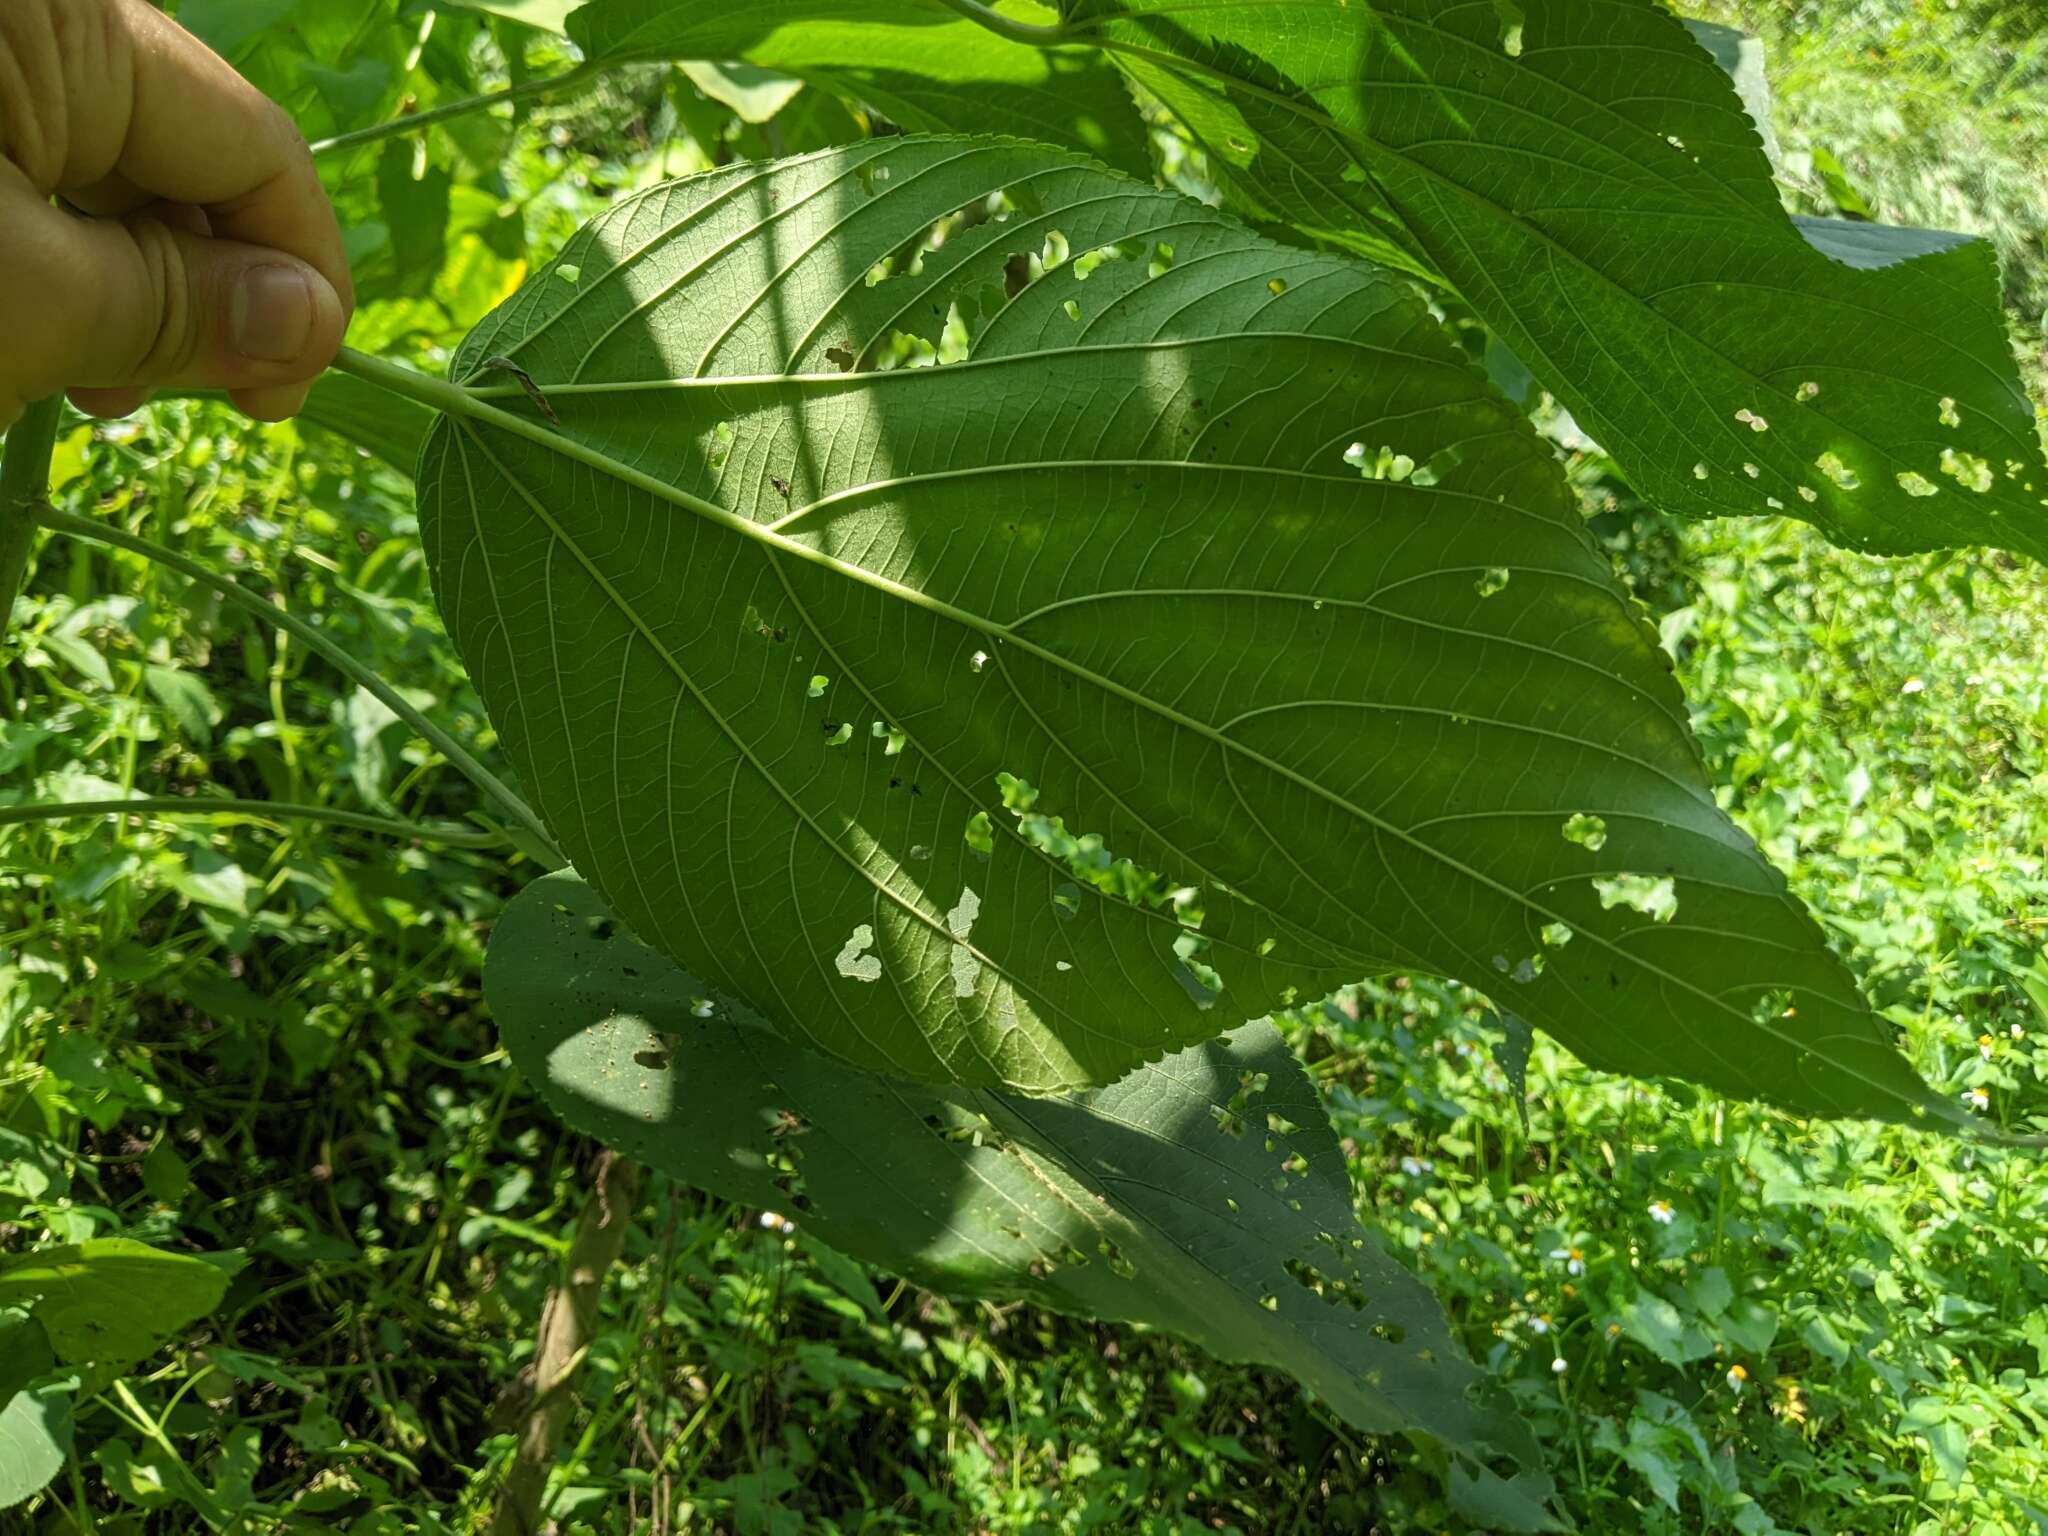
[
  {"x": 392, "y": 699},
  {"x": 24, "y": 490},
  {"x": 264, "y": 810},
  {"x": 193, "y": 1490},
  {"x": 1016, "y": 31},
  {"x": 414, "y": 122},
  {"x": 435, "y": 394}
]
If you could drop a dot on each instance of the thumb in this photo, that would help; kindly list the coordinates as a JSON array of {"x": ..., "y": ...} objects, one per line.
[{"x": 135, "y": 304}]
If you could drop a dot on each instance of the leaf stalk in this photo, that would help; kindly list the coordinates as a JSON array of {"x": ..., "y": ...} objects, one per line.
[
  {"x": 415, "y": 121},
  {"x": 261, "y": 810},
  {"x": 1007, "y": 27},
  {"x": 442, "y": 741}
]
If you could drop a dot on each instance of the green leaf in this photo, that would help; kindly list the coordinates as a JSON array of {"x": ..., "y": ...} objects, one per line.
[
  {"x": 1750, "y": 1325},
  {"x": 920, "y": 64},
  {"x": 1647, "y": 1451},
  {"x": 767, "y": 639},
  {"x": 1587, "y": 179},
  {"x": 111, "y": 1299},
  {"x": 24, "y": 1353},
  {"x": 1204, "y": 1194},
  {"x": 166, "y": 1176},
  {"x": 208, "y": 877},
  {"x": 332, "y": 65},
  {"x": 185, "y": 698},
  {"x": 755, "y": 95},
  {"x": 415, "y": 202},
  {"x": 35, "y": 1437},
  {"x": 1662, "y": 1329},
  {"x": 1935, "y": 1422},
  {"x": 2034, "y": 982}
]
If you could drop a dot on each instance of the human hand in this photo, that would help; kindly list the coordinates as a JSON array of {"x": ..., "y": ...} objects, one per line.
[{"x": 208, "y": 256}]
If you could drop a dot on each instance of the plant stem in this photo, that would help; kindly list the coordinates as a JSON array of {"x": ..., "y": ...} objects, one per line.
[
  {"x": 415, "y": 121},
  {"x": 193, "y": 1490},
  {"x": 262, "y": 810},
  {"x": 24, "y": 490},
  {"x": 392, "y": 699},
  {"x": 424, "y": 388},
  {"x": 568, "y": 1322},
  {"x": 1016, "y": 31}
]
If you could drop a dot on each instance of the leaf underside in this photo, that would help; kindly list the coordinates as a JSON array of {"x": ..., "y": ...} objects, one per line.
[
  {"x": 1204, "y": 1194},
  {"x": 925, "y": 67},
  {"x": 1600, "y": 196},
  {"x": 762, "y": 634}
]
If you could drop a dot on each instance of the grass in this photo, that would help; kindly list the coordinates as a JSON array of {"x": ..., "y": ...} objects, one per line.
[{"x": 221, "y": 1035}]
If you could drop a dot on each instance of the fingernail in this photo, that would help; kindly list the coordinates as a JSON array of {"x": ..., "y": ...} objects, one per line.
[{"x": 270, "y": 314}]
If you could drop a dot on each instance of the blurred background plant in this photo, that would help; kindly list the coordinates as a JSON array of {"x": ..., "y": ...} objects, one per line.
[{"x": 259, "y": 1040}]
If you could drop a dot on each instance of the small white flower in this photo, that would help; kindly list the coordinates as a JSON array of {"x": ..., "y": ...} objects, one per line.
[
  {"x": 1977, "y": 1099},
  {"x": 1558, "y": 1366},
  {"x": 1416, "y": 1167},
  {"x": 775, "y": 1221},
  {"x": 1540, "y": 1323},
  {"x": 2017, "y": 1033},
  {"x": 1736, "y": 1377},
  {"x": 1574, "y": 1260},
  {"x": 1661, "y": 1213},
  {"x": 1984, "y": 1044},
  {"x": 1913, "y": 685}
]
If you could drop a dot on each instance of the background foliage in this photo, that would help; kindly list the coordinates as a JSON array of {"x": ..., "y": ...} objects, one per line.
[{"x": 217, "y": 1037}]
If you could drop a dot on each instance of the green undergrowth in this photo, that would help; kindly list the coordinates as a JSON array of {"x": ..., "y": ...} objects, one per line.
[{"x": 268, "y": 1041}]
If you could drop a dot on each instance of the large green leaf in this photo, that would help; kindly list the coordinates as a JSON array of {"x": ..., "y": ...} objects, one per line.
[
  {"x": 110, "y": 1298},
  {"x": 1584, "y": 174},
  {"x": 1204, "y": 1194},
  {"x": 916, "y": 61},
  {"x": 1219, "y": 546}
]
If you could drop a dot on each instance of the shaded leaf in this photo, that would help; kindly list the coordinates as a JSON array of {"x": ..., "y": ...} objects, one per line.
[
  {"x": 773, "y": 643},
  {"x": 24, "y": 1353},
  {"x": 1204, "y": 1194},
  {"x": 1586, "y": 177},
  {"x": 414, "y": 200}
]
